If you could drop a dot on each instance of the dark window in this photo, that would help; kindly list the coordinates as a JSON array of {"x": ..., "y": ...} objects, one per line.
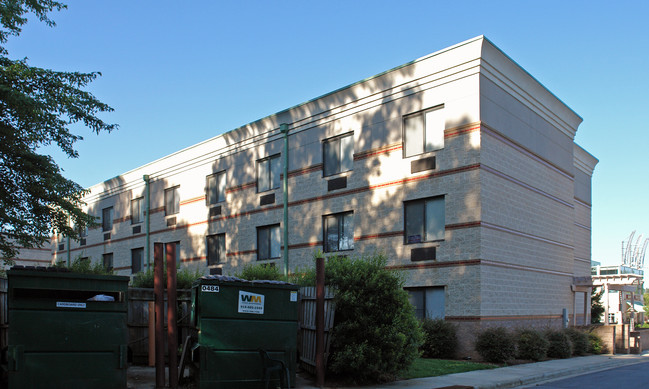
[
  {"x": 137, "y": 210},
  {"x": 107, "y": 219},
  {"x": 338, "y": 154},
  {"x": 268, "y": 172},
  {"x": 423, "y": 132},
  {"x": 172, "y": 201},
  {"x": 137, "y": 257},
  {"x": 215, "y": 188},
  {"x": 268, "y": 242},
  {"x": 215, "y": 249},
  {"x": 107, "y": 261},
  {"x": 428, "y": 302},
  {"x": 424, "y": 220},
  {"x": 338, "y": 232}
]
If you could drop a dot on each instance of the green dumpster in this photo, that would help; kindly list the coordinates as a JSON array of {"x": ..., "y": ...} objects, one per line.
[
  {"x": 66, "y": 330},
  {"x": 234, "y": 318}
]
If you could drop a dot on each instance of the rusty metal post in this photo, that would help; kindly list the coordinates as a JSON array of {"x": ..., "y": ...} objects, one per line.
[
  {"x": 319, "y": 322},
  {"x": 158, "y": 291},
  {"x": 151, "y": 334},
  {"x": 172, "y": 333}
]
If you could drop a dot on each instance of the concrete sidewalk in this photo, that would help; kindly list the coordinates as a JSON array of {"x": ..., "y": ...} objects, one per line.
[
  {"x": 504, "y": 377},
  {"x": 513, "y": 376}
]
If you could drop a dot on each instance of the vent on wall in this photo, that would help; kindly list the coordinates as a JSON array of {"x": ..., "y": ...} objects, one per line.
[
  {"x": 422, "y": 164},
  {"x": 267, "y": 199},
  {"x": 107, "y": 236},
  {"x": 171, "y": 221},
  {"x": 61, "y": 247},
  {"x": 137, "y": 229},
  {"x": 215, "y": 211},
  {"x": 337, "y": 183},
  {"x": 423, "y": 254},
  {"x": 216, "y": 271},
  {"x": 82, "y": 242}
]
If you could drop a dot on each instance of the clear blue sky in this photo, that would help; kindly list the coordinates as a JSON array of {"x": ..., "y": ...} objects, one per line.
[{"x": 178, "y": 73}]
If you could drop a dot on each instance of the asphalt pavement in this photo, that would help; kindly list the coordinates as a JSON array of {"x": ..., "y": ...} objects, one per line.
[{"x": 504, "y": 377}]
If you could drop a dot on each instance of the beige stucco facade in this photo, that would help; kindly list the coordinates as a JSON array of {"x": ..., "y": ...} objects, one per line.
[{"x": 515, "y": 188}]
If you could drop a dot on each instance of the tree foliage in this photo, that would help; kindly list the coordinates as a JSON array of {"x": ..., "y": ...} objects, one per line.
[
  {"x": 37, "y": 108},
  {"x": 596, "y": 305},
  {"x": 376, "y": 335}
]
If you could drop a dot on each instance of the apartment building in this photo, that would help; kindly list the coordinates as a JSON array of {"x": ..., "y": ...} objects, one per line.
[{"x": 459, "y": 166}]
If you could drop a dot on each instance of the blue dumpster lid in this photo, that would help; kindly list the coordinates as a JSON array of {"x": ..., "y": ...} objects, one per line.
[{"x": 222, "y": 278}]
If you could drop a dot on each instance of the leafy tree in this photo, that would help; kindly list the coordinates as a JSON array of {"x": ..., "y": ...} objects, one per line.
[
  {"x": 376, "y": 335},
  {"x": 37, "y": 108},
  {"x": 596, "y": 306},
  {"x": 645, "y": 298}
]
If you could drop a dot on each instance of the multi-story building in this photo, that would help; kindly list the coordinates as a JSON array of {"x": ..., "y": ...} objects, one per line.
[{"x": 459, "y": 166}]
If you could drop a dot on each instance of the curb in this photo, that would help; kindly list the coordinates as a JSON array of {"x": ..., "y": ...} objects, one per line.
[{"x": 551, "y": 376}]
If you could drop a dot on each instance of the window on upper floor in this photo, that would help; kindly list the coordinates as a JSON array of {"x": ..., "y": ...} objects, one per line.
[
  {"x": 137, "y": 210},
  {"x": 107, "y": 261},
  {"x": 424, "y": 220},
  {"x": 107, "y": 219},
  {"x": 338, "y": 154},
  {"x": 215, "y": 249},
  {"x": 268, "y": 172},
  {"x": 268, "y": 242},
  {"x": 423, "y": 132},
  {"x": 338, "y": 231},
  {"x": 172, "y": 201},
  {"x": 215, "y": 188},
  {"x": 137, "y": 260}
]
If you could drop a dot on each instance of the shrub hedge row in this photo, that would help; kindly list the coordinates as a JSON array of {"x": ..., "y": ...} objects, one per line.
[{"x": 500, "y": 345}]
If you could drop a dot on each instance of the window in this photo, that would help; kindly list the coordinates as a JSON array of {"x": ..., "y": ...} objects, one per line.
[
  {"x": 268, "y": 242},
  {"x": 423, "y": 132},
  {"x": 428, "y": 302},
  {"x": 107, "y": 261},
  {"x": 172, "y": 201},
  {"x": 107, "y": 219},
  {"x": 424, "y": 220},
  {"x": 215, "y": 188},
  {"x": 268, "y": 171},
  {"x": 137, "y": 210},
  {"x": 137, "y": 257},
  {"x": 338, "y": 232},
  {"x": 338, "y": 154},
  {"x": 215, "y": 249}
]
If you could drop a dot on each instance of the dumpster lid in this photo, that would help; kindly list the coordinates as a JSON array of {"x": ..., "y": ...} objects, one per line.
[{"x": 222, "y": 278}]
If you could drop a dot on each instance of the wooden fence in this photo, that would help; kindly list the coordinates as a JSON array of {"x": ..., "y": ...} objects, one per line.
[
  {"x": 138, "y": 321},
  {"x": 307, "y": 340}
]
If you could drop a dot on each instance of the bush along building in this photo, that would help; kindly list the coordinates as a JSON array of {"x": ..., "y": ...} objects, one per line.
[{"x": 459, "y": 166}]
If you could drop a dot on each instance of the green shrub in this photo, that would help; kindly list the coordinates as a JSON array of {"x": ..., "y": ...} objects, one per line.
[
  {"x": 560, "y": 345},
  {"x": 496, "y": 345},
  {"x": 440, "y": 339},
  {"x": 596, "y": 344},
  {"x": 376, "y": 335},
  {"x": 531, "y": 344},
  {"x": 578, "y": 339},
  {"x": 184, "y": 278},
  {"x": 260, "y": 271},
  {"x": 85, "y": 266}
]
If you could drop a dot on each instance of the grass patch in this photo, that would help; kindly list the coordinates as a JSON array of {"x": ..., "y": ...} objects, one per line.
[{"x": 428, "y": 367}]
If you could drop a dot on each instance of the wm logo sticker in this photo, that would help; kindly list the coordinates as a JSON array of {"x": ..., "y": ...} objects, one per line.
[{"x": 251, "y": 303}]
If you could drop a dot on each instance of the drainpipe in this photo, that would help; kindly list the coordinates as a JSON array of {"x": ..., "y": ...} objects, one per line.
[
  {"x": 67, "y": 245},
  {"x": 147, "y": 206},
  {"x": 284, "y": 129}
]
